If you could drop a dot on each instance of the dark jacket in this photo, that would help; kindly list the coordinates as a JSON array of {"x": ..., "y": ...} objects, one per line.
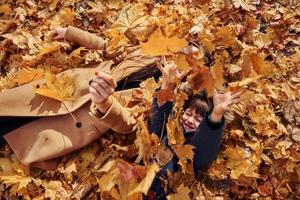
[{"x": 206, "y": 140}]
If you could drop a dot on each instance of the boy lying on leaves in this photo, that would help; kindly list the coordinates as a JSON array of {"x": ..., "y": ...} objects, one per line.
[{"x": 202, "y": 128}]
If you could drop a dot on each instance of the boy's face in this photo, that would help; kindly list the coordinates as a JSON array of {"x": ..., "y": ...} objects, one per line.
[{"x": 191, "y": 120}]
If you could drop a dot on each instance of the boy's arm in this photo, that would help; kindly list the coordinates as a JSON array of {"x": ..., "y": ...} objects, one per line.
[
  {"x": 207, "y": 142},
  {"x": 159, "y": 116}
]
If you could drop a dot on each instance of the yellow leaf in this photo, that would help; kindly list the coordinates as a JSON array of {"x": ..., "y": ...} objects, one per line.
[
  {"x": 67, "y": 15},
  {"x": 217, "y": 73},
  {"x": 174, "y": 131},
  {"x": 6, "y": 166},
  {"x": 130, "y": 17},
  {"x": 240, "y": 164},
  {"x": 201, "y": 78},
  {"x": 159, "y": 45},
  {"x": 182, "y": 64},
  {"x": 27, "y": 75},
  {"x": 60, "y": 88},
  {"x": 5, "y": 9},
  {"x": 21, "y": 181}
]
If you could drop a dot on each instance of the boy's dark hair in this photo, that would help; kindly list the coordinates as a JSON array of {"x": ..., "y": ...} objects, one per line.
[{"x": 199, "y": 102}]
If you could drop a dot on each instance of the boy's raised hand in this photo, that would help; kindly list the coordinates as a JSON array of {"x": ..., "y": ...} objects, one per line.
[
  {"x": 170, "y": 74},
  {"x": 58, "y": 33},
  {"x": 222, "y": 101},
  {"x": 101, "y": 87}
]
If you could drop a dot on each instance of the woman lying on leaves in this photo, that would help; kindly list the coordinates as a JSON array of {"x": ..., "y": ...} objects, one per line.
[
  {"x": 32, "y": 124},
  {"x": 203, "y": 127}
]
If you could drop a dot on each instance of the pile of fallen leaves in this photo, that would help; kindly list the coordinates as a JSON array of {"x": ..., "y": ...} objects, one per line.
[{"x": 233, "y": 44}]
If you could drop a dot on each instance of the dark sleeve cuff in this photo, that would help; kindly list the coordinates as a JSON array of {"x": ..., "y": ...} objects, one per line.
[{"x": 213, "y": 125}]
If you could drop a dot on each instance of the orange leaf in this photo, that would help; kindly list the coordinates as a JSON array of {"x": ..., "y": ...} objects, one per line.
[
  {"x": 159, "y": 45},
  {"x": 182, "y": 64},
  {"x": 200, "y": 79},
  {"x": 27, "y": 75},
  {"x": 164, "y": 95},
  {"x": 5, "y": 9},
  {"x": 185, "y": 153},
  {"x": 217, "y": 72}
]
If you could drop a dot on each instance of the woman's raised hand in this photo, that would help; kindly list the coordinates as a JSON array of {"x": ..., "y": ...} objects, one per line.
[{"x": 101, "y": 87}]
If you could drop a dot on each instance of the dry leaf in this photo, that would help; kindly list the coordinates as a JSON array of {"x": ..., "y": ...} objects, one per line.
[
  {"x": 159, "y": 45},
  {"x": 60, "y": 88}
]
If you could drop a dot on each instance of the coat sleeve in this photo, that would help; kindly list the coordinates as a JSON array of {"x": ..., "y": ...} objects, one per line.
[
  {"x": 118, "y": 118},
  {"x": 207, "y": 142},
  {"x": 159, "y": 117},
  {"x": 84, "y": 38}
]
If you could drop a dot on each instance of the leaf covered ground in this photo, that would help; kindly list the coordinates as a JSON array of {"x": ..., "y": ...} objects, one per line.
[{"x": 250, "y": 44}]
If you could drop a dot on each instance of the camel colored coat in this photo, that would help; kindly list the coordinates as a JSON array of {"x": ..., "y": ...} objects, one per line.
[{"x": 55, "y": 133}]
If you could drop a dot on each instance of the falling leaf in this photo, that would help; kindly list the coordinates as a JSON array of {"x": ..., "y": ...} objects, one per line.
[
  {"x": 181, "y": 63},
  {"x": 164, "y": 96},
  {"x": 217, "y": 73},
  {"x": 60, "y": 88},
  {"x": 167, "y": 45},
  {"x": 200, "y": 79}
]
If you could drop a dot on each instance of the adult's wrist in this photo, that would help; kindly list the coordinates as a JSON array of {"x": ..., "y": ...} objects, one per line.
[{"x": 104, "y": 106}]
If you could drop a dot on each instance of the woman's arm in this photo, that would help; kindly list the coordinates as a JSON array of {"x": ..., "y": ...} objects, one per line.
[
  {"x": 76, "y": 35},
  {"x": 108, "y": 109}
]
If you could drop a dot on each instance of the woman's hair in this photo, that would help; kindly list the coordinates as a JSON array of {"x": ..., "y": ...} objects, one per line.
[{"x": 199, "y": 102}]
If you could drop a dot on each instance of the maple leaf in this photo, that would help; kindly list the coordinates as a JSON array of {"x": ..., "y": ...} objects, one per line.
[
  {"x": 130, "y": 172},
  {"x": 181, "y": 63},
  {"x": 207, "y": 41},
  {"x": 175, "y": 131},
  {"x": 5, "y": 166},
  {"x": 27, "y": 75},
  {"x": 20, "y": 182},
  {"x": 5, "y": 9},
  {"x": 225, "y": 37},
  {"x": 60, "y": 88},
  {"x": 239, "y": 164},
  {"x": 201, "y": 78},
  {"x": 125, "y": 176},
  {"x": 245, "y": 4},
  {"x": 217, "y": 73},
  {"x": 159, "y": 45},
  {"x": 130, "y": 17},
  {"x": 164, "y": 96},
  {"x": 182, "y": 193},
  {"x": 253, "y": 62},
  {"x": 185, "y": 153}
]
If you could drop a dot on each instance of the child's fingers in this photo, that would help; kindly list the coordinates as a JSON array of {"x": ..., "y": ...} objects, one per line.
[
  {"x": 237, "y": 100},
  {"x": 161, "y": 69},
  {"x": 164, "y": 60},
  {"x": 237, "y": 94}
]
